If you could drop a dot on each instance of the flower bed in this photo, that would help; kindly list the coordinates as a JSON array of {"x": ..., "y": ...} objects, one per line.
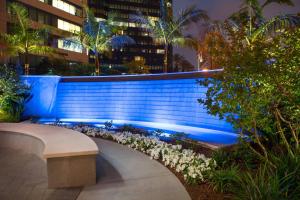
[{"x": 194, "y": 167}]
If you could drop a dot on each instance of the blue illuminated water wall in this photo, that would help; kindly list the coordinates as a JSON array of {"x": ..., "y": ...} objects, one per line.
[
  {"x": 43, "y": 95},
  {"x": 168, "y": 100}
]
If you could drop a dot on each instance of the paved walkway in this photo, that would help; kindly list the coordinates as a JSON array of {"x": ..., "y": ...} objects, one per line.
[
  {"x": 24, "y": 177},
  {"x": 123, "y": 174}
]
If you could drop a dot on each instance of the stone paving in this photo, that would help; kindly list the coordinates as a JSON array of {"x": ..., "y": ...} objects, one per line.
[
  {"x": 24, "y": 177},
  {"x": 126, "y": 174},
  {"x": 123, "y": 174}
]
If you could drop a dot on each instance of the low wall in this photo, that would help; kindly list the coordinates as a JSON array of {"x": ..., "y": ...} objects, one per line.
[{"x": 168, "y": 99}]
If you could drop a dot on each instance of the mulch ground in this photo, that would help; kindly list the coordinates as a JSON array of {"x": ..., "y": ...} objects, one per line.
[{"x": 203, "y": 191}]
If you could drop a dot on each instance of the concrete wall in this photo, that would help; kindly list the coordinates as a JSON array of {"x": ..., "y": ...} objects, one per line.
[{"x": 166, "y": 100}]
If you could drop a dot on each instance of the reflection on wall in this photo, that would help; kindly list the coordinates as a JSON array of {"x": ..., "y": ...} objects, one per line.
[
  {"x": 160, "y": 101},
  {"x": 43, "y": 91}
]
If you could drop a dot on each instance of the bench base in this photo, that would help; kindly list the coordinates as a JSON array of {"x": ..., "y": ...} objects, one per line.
[{"x": 73, "y": 171}]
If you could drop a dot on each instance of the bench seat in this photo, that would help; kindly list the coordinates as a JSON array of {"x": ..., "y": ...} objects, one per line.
[{"x": 70, "y": 156}]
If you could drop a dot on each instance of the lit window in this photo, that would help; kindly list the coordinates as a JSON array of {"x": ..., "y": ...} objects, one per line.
[
  {"x": 70, "y": 46},
  {"x": 64, "y": 6},
  {"x": 160, "y": 51},
  {"x": 138, "y": 58},
  {"x": 63, "y": 25}
]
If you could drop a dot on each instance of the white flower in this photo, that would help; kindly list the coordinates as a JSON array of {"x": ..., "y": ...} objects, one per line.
[{"x": 184, "y": 161}]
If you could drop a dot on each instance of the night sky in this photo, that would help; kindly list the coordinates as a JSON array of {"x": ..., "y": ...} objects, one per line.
[{"x": 221, "y": 9}]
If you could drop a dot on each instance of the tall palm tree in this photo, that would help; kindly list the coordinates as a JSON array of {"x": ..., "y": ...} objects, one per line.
[
  {"x": 168, "y": 31},
  {"x": 100, "y": 37},
  {"x": 182, "y": 64},
  {"x": 24, "y": 40},
  {"x": 251, "y": 18}
]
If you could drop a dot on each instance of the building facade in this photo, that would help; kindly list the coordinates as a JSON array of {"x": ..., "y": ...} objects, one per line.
[
  {"x": 144, "y": 48},
  {"x": 66, "y": 16},
  {"x": 63, "y": 16}
]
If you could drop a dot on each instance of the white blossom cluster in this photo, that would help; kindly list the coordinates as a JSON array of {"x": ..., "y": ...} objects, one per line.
[{"x": 191, "y": 165}]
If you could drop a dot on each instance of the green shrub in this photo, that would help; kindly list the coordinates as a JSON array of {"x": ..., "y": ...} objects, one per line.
[
  {"x": 133, "y": 130},
  {"x": 12, "y": 95},
  {"x": 259, "y": 91},
  {"x": 108, "y": 125},
  {"x": 224, "y": 180},
  {"x": 236, "y": 155},
  {"x": 178, "y": 136},
  {"x": 267, "y": 184}
]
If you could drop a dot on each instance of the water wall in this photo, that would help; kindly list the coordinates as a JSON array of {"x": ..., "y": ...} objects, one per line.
[{"x": 169, "y": 100}]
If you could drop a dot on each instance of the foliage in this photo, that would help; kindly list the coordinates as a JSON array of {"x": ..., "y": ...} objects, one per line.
[
  {"x": 212, "y": 48},
  {"x": 62, "y": 68},
  {"x": 137, "y": 67},
  {"x": 224, "y": 180},
  {"x": 269, "y": 184},
  {"x": 24, "y": 40},
  {"x": 249, "y": 22},
  {"x": 260, "y": 182},
  {"x": 250, "y": 19},
  {"x": 12, "y": 95},
  {"x": 182, "y": 64},
  {"x": 133, "y": 130},
  {"x": 168, "y": 31},
  {"x": 238, "y": 155},
  {"x": 158, "y": 133},
  {"x": 100, "y": 37},
  {"x": 178, "y": 136},
  {"x": 258, "y": 91},
  {"x": 194, "y": 167},
  {"x": 108, "y": 125}
]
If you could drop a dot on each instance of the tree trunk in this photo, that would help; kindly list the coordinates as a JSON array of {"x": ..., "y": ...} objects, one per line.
[
  {"x": 26, "y": 63},
  {"x": 166, "y": 59},
  {"x": 97, "y": 64}
]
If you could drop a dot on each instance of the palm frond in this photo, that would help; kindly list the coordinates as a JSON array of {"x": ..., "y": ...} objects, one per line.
[
  {"x": 182, "y": 41},
  {"x": 19, "y": 14},
  {"x": 276, "y": 24},
  {"x": 191, "y": 14},
  {"x": 285, "y": 2},
  {"x": 40, "y": 50},
  {"x": 118, "y": 41}
]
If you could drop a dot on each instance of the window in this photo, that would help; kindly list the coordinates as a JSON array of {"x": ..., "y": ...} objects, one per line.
[
  {"x": 61, "y": 24},
  {"x": 160, "y": 51},
  {"x": 64, "y": 6},
  {"x": 138, "y": 58},
  {"x": 68, "y": 45}
]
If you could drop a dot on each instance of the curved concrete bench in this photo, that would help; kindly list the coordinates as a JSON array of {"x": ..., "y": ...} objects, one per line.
[{"x": 70, "y": 156}]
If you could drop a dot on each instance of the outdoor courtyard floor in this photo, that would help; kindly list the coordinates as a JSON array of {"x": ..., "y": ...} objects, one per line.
[{"x": 122, "y": 174}]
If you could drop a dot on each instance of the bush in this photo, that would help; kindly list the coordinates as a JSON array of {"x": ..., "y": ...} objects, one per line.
[
  {"x": 63, "y": 68},
  {"x": 259, "y": 91},
  {"x": 224, "y": 180},
  {"x": 133, "y": 130},
  {"x": 281, "y": 181},
  {"x": 236, "y": 155},
  {"x": 268, "y": 184},
  {"x": 178, "y": 136},
  {"x": 12, "y": 95},
  {"x": 108, "y": 125}
]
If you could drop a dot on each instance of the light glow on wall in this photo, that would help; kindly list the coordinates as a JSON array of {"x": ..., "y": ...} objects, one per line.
[{"x": 158, "y": 104}]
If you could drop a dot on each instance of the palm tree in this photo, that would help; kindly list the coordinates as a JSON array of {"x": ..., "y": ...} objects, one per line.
[
  {"x": 100, "y": 37},
  {"x": 251, "y": 18},
  {"x": 24, "y": 40},
  {"x": 182, "y": 64},
  {"x": 168, "y": 31}
]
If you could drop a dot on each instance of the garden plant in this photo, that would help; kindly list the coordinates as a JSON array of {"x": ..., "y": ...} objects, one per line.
[{"x": 258, "y": 92}]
